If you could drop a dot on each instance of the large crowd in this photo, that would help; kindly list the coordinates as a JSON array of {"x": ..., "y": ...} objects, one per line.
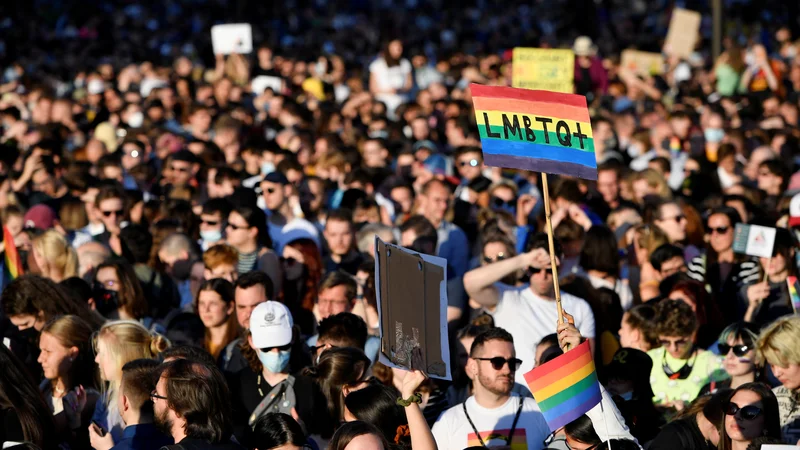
[{"x": 195, "y": 233}]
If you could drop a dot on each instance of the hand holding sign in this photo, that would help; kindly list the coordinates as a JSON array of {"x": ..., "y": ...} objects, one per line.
[{"x": 568, "y": 336}]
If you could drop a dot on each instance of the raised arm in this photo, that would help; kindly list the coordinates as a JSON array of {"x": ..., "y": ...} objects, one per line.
[
  {"x": 479, "y": 282},
  {"x": 421, "y": 436}
]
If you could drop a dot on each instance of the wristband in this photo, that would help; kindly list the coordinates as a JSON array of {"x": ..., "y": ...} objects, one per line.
[{"x": 416, "y": 398}]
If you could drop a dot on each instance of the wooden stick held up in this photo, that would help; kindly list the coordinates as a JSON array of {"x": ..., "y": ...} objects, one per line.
[{"x": 553, "y": 264}]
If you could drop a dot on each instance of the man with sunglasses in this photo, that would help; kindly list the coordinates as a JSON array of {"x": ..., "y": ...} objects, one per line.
[
  {"x": 266, "y": 385},
  {"x": 528, "y": 312},
  {"x": 680, "y": 369},
  {"x": 493, "y": 415},
  {"x": 285, "y": 222}
]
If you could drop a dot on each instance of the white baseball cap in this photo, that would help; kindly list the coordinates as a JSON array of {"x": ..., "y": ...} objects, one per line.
[{"x": 271, "y": 325}]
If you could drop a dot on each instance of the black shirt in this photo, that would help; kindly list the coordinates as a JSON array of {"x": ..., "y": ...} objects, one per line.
[
  {"x": 248, "y": 389},
  {"x": 682, "y": 433},
  {"x": 189, "y": 443},
  {"x": 349, "y": 263}
]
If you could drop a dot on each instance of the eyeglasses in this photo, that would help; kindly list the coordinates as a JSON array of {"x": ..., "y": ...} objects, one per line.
[
  {"x": 678, "y": 219},
  {"x": 718, "y": 230},
  {"x": 115, "y": 212},
  {"x": 748, "y": 412},
  {"x": 738, "y": 350},
  {"x": 212, "y": 223},
  {"x": 471, "y": 163},
  {"x": 533, "y": 271},
  {"x": 500, "y": 256},
  {"x": 498, "y": 362},
  {"x": 677, "y": 343},
  {"x": 154, "y": 394},
  {"x": 498, "y": 202},
  {"x": 237, "y": 227}
]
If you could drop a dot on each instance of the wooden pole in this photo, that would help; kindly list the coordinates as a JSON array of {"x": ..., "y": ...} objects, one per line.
[{"x": 553, "y": 264}]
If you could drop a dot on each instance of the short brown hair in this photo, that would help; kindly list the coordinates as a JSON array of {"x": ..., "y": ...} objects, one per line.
[
  {"x": 340, "y": 278},
  {"x": 138, "y": 381},
  {"x": 199, "y": 394},
  {"x": 220, "y": 254},
  {"x": 675, "y": 318},
  {"x": 108, "y": 192}
]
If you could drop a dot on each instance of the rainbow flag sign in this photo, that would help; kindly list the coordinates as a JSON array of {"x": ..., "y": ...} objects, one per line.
[
  {"x": 499, "y": 438},
  {"x": 13, "y": 260},
  {"x": 540, "y": 131},
  {"x": 566, "y": 387},
  {"x": 793, "y": 295}
]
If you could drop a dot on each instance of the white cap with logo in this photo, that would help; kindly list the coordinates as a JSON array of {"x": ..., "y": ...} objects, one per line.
[{"x": 271, "y": 325}]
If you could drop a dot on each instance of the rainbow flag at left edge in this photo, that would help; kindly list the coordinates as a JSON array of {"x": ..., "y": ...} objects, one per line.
[
  {"x": 566, "y": 387},
  {"x": 12, "y": 261},
  {"x": 540, "y": 131}
]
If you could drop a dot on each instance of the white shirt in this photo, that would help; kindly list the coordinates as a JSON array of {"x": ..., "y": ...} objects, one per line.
[
  {"x": 453, "y": 432},
  {"x": 390, "y": 77},
  {"x": 529, "y": 318}
]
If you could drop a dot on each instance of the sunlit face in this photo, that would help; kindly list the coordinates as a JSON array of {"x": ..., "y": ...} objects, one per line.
[
  {"x": 365, "y": 442},
  {"x": 106, "y": 362},
  {"x": 788, "y": 375},
  {"x": 25, "y": 321},
  {"x": 469, "y": 165},
  {"x": 212, "y": 309},
  {"x": 403, "y": 196},
  {"x": 739, "y": 428},
  {"x": 225, "y": 271},
  {"x": 608, "y": 186},
  {"x": 246, "y": 301},
  {"x": 55, "y": 359},
  {"x": 111, "y": 213},
  {"x": 339, "y": 235},
  {"x": 238, "y": 232},
  {"x": 628, "y": 335},
  {"x": 436, "y": 202},
  {"x": 773, "y": 266},
  {"x": 334, "y": 301},
  {"x": 721, "y": 232},
  {"x": 739, "y": 365},
  {"x": 678, "y": 347},
  {"x": 672, "y": 222},
  {"x": 494, "y": 252},
  {"x": 501, "y": 381}
]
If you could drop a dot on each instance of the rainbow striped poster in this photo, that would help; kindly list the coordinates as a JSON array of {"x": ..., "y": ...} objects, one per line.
[
  {"x": 500, "y": 438},
  {"x": 540, "y": 131},
  {"x": 566, "y": 387}
]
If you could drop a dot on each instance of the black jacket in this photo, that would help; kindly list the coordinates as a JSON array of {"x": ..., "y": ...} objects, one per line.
[
  {"x": 682, "y": 433},
  {"x": 200, "y": 444}
]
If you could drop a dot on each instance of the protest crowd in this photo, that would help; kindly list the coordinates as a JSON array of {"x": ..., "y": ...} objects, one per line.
[{"x": 189, "y": 237}]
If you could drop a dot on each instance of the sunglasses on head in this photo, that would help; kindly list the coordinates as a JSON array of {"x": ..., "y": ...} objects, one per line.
[
  {"x": 748, "y": 412},
  {"x": 116, "y": 212},
  {"x": 718, "y": 230},
  {"x": 498, "y": 202},
  {"x": 498, "y": 362},
  {"x": 738, "y": 350}
]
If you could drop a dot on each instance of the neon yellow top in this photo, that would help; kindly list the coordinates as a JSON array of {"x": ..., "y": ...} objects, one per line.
[{"x": 706, "y": 367}]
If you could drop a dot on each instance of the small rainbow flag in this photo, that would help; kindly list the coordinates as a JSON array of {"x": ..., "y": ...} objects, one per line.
[
  {"x": 13, "y": 261},
  {"x": 793, "y": 295},
  {"x": 540, "y": 131},
  {"x": 500, "y": 438},
  {"x": 566, "y": 387}
]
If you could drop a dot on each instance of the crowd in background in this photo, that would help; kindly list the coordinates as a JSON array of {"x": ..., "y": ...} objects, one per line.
[{"x": 196, "y": 232}]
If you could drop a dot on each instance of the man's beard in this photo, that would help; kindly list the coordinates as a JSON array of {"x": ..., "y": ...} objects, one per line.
[
  {"x": 163, "y": 422},
  {"x": 491, "y": 384}
]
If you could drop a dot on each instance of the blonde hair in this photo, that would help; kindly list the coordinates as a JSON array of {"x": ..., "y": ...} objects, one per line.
[
  {"x": 124, "y": 341},
  {"x": 778, "y": 342},
  {"x": 656, "y": 181},
  {"x": 55, "y": 249}
]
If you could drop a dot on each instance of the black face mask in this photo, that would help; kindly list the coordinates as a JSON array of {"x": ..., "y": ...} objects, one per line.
[
  {"x": 405, "y": 172},
  {"x": 292, "y": 269},
  {"x": 106, "y": 301}
]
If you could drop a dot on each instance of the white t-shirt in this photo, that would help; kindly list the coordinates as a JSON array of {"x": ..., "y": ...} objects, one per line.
[
  {"x": 453, "y": 432},
  {"x": 390, "y": 77},
  {"x": 529, "y": 318}
]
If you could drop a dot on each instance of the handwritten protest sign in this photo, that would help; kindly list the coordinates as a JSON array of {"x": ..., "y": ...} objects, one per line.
[
  {"x": 232, "y": 38},
  {"x": 643, "y": 63},
  {"x": 684, "y": 31},
  {"x": 754, "y": 240},
  {"x": 543, "y": 68}
]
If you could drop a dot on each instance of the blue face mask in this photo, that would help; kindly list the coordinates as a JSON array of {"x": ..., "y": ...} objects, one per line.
[
  {"x": 211, "y": 235},
  {"x": 627, "y": 396},
  {"x": 275, "y": 362},
  {"x": 714, "y": 134},
  {"x": 267, "y": 167}
]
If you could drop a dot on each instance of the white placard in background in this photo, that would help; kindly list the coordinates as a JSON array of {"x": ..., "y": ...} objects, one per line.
[{"x": 232, "y": 38}]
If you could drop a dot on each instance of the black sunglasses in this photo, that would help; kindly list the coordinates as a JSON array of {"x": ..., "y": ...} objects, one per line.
[
  {"x": 533, "y": 271},
  {"x": 212, "y": 223},
  {"x": 154, "y": 394},
  {"x": 500, "y": 256},
  {"x": 116, "y": 212},
  {"x": 270, "y": 190},
  {"x": 498, "y": 362},
  {"x": 718, "y": 230},
  {"x": 471, "y": 162},
  {"x": 288, "y": 261},
  {"x": 738, "y": 350},
  {"x": 498, "y": 202},
  {"x": 236, "y": 227},
  {"x": 749, "y": 412},
  {"x": 282, "y": 348}
]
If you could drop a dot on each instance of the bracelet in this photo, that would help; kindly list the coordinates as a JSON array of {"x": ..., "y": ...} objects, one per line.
[{"x": 416, "y": 398}]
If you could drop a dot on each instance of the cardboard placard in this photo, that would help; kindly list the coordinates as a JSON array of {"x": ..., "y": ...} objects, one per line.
[
  {"x": 411, "y": 290},
  {"x": 543, "y": 68},
  {"x": 232, "y": 38},
  {"x": 754, "y": 240},
  {"x": 683, "y": 34},
  {"x": 643, "y": 63}
]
